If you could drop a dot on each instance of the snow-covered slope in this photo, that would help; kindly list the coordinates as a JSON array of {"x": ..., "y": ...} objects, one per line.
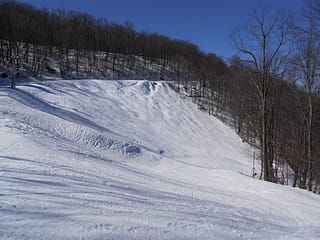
[{"x": 132, "y": 160}]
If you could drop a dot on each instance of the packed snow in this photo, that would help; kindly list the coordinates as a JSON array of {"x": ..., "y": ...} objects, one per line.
[{"x": 96, "y": 159}]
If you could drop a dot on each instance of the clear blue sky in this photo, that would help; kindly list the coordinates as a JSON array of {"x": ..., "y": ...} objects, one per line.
[{"x": 206, "y": 23}]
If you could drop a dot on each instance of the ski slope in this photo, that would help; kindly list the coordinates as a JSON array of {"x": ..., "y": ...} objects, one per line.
[{"x": 95, "y": 159}]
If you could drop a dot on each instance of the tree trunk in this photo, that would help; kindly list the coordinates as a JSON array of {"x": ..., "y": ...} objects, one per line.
[{"x": 309, "y": 132}]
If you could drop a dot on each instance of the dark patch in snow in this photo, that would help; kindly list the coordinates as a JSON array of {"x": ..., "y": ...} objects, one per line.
[{"x": 131, "y": 149}]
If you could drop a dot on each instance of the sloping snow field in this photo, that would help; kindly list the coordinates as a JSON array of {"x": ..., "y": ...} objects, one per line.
[{"x": 132, "y": 160}]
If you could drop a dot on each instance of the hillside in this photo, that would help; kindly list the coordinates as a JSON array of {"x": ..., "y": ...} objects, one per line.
[{"x": 133, "y": 160}]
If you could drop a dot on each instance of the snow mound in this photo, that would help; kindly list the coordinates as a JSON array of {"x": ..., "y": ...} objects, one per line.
[
  {"x": 92, "y": 159},
  {"x": 147, "y": 87},
  {"x": 102, "y": 142}
]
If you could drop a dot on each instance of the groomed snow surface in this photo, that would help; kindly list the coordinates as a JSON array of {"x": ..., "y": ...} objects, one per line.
[{"x": 125, "y": 160}]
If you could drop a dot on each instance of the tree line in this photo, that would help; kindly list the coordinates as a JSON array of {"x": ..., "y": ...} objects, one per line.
[
  {"x": 282, "y": 54},
  {"x": 269, "y": 92},
  {"x": 82, "y": 43}
]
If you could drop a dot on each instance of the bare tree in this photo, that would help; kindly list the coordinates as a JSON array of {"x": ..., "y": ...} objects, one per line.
[
  {"x": 263, "y": 44},
  {"x": 306, "y": 64}
]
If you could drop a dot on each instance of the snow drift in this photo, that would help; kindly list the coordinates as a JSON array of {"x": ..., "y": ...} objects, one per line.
[{"x": 98, "y": 159}]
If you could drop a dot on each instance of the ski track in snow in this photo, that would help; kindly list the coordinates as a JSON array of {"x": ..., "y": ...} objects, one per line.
[{"x": 96, "y": 159}]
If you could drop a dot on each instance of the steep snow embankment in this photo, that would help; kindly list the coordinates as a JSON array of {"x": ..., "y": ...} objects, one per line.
[{"x": 131, "y": 160}]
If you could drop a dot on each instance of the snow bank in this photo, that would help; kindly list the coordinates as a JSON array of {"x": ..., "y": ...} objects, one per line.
[{"x": 132, "y": 160}]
